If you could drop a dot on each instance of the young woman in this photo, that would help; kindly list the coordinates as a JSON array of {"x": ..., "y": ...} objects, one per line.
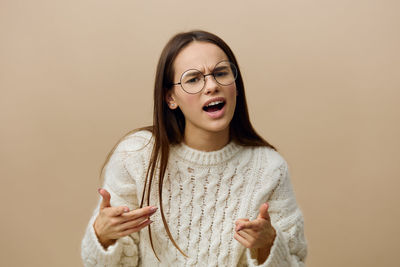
[{"x": 210, "y": 190}]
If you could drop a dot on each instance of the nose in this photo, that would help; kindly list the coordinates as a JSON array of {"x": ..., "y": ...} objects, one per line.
[{"x": 211, "y": 85}]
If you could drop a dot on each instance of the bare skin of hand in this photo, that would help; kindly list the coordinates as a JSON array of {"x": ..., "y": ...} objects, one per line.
[
  {"x": 257, "y": 235},
  {"x": 116, "y": 222}
]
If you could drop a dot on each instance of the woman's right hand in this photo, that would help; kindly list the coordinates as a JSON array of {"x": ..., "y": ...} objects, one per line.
[{"x": 116, "y": 222}]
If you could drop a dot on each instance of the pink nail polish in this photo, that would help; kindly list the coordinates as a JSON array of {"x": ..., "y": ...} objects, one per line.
[{"x": 152, "y": 209}]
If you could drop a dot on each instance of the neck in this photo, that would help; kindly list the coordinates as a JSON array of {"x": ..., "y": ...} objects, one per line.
[{"x": 207, "y": 141}]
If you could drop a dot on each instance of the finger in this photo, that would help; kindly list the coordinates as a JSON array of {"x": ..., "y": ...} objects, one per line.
[
  {"x": 116, "y": 211},
  {"x": 246, "y": 225},
  {"x": 247, "y": 234},
  {"x": 241, "y": 220},
  {"x": 105, "y": 203},
  {"x": 242, "y": 240},
  {"x": 264, "y": 211},
  {"x": 133, "y": 223},
  {"x": 136, "y": 229},
  {"x": 238, "y": 221},
  {"x": 134, "y": 214}
]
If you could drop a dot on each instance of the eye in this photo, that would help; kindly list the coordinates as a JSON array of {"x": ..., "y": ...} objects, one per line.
[
  {"x": 220, "y": 73},
  {"x": 193, "y": 80}
]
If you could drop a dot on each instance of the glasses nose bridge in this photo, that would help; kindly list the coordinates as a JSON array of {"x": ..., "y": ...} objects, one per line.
[
  {"x": 210, "y": 74},
  {"x": 207, "y": 89}
]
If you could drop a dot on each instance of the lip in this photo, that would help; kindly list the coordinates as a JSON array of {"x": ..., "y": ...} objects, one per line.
[
  {"x": 214, "y": 99},
  {"x": 216, "y": 114}
]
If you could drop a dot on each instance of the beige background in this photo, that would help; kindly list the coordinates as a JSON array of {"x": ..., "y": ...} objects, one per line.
[{"x": 322, "y": 79}]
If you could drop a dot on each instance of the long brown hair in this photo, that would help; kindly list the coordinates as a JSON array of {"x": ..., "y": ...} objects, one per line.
[{"x": 169, "y": 125}]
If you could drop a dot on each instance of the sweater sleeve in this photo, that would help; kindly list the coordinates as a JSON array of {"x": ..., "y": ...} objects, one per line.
[
  {"x": 290, "y": 247},
  {"x": 122, "y": 188}
]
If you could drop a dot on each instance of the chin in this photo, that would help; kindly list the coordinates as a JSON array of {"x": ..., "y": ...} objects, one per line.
[{"x": 217, "y": 127}]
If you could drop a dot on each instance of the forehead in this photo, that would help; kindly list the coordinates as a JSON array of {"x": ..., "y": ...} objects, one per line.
[{"x": 198, "y": 55}]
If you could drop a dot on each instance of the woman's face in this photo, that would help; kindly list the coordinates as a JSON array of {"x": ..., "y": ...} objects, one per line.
[{"x": 202, "y": 56}]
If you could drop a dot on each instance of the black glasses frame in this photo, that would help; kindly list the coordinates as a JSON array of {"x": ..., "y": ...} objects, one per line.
[{"x": 205, "y": 75}]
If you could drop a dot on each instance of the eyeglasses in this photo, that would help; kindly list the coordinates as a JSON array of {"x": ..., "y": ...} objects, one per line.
[{"x": 192, "y": 81}]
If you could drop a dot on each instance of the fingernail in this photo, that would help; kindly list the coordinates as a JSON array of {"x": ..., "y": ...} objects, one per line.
[
  {"x": 153, "y": 208},
  {"x": 98, "y": 190},
  {"x": 126, "y": 209}
]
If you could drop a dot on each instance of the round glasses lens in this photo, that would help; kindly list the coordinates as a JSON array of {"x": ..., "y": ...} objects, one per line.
[
  {"x": 192, "y": 81},
  {"x": 225, "y": 73}
]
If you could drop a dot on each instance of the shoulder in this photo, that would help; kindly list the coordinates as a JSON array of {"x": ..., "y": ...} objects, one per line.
[
  {"x": 134, "y": 141},
  {"x": 127, "y": 156},
  {"x": 269, "y": 157}
]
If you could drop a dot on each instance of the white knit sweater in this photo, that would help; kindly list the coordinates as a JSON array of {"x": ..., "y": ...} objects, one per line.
[{"x": 204, "y": 193}]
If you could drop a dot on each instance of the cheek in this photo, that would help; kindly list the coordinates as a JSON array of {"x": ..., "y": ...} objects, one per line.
[
  {"x": 191, "y": 100},
  {"x": 232, "y": 92},
  {"x": 188, "y": 102}
]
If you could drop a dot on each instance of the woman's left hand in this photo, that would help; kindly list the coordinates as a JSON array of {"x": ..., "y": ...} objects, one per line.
[{"x": 257, "y": 234}]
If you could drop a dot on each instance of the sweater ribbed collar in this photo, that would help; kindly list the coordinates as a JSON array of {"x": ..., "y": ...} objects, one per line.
[{"x": 199, "y": 157}]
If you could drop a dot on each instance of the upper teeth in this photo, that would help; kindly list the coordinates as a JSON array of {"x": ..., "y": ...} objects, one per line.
[{"x": 215, "y": 103}]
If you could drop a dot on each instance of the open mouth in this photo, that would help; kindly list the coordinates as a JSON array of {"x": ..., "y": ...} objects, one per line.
[{"x": 214, "y": 106}]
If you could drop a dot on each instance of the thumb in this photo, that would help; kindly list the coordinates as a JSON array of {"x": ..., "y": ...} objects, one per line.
[
  {"x": 105, "y": 203},
  {"x": 264, "y": 211}
]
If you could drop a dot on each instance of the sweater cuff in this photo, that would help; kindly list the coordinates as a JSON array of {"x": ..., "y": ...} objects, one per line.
[
  {"x": 96, "y": 254},
  {"x": 279, "y": 255}
]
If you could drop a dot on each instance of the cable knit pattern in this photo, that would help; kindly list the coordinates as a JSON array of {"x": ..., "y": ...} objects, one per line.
[{"x": 204, "y": 193}]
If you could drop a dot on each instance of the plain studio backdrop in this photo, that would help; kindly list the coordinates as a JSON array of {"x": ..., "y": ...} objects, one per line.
[{"x": 322, "y": 82}]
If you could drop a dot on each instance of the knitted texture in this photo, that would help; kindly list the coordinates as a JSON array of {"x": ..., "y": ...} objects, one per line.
[{"x": 204, "y": 193}]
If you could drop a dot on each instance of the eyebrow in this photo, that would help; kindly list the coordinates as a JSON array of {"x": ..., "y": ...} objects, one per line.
[
  {"x": 215, "y": 69},
  {"x": 191, "y": 73},
  {"x": 220, "y": 68}
]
